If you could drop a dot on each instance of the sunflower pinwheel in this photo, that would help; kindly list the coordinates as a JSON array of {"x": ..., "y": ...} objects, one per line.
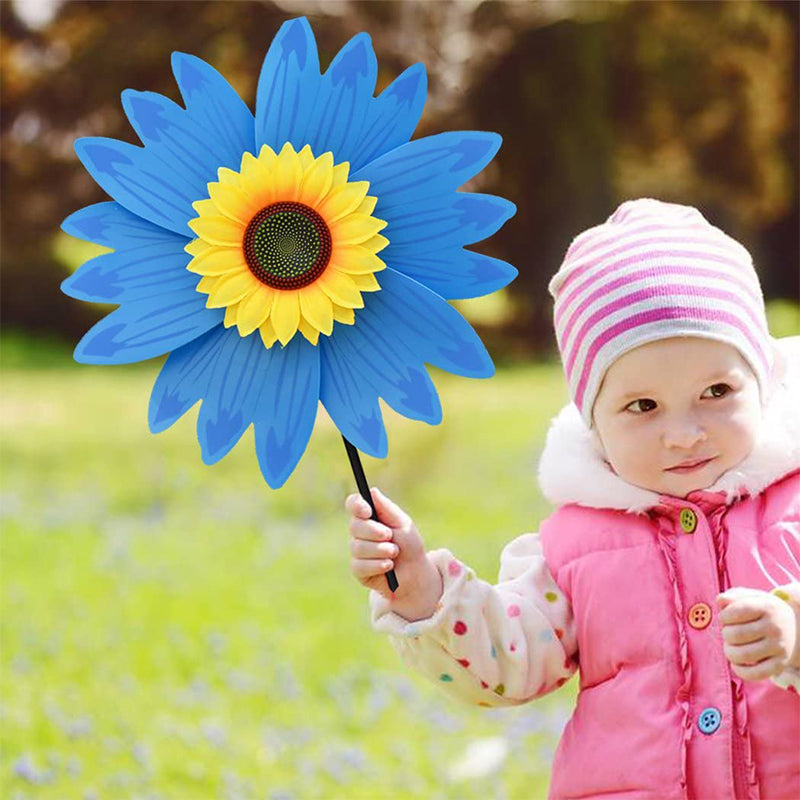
[{"x": 305, "y": 254}]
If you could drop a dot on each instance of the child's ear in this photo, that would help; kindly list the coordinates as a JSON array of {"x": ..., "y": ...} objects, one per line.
[{"x": 597, "y": 442}]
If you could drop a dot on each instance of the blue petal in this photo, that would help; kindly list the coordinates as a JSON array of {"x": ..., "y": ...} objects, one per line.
[
  {"x": 148, "y": 261},
  {"x": 111, "y": 225},
  {"x": 148, "y": 328},
  {"x": 184, "y": 378},
  {"x": 187, "y": 154},
  {"x": 287, "y": 87},
  {"x": 442, "y": 222},
  {"x": 345, "y": 92},
  {"x": 351, "y": 401},
  {"x": 138, "y": 180},
  {"x": 394, "y": 371},
  {"x": 392, "y": 117},
  {"x": 429, "y": 325},
  {"x": 286, "y": 408},
  {"x": 214, "y": 106},
  {"x": 454, "y": 273},
  {"x": 429, "y": 166},
  {"x": 230, "y": 401}
]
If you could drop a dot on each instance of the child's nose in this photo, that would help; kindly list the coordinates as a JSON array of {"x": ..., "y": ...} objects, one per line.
[{"x": 683, "y": 434}]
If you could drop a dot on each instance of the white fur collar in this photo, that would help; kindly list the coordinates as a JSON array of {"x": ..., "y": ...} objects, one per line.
[{"x": 572, "y": 468}]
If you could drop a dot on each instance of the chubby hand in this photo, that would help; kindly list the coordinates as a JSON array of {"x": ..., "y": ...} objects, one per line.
[
  {"x": 759, "y": 631},
  {"x": 393, "y": 542}
]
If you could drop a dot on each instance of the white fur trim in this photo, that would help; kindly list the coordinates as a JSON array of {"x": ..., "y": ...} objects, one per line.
[{"x": 572, "y": 468}]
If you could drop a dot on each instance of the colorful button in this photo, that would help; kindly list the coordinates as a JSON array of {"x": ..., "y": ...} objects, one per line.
[
  {"x": 688, "y": 520},
  {"x": 699, "y": 616},
  {"x": 709, "y": 720}
]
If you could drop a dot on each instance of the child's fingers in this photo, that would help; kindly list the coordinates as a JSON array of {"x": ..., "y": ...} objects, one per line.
[
  {"x": 358, "y": 506},
  {"x": 369, "y": 529},
  {"x": 364, "y": 568},
  {"x": 743, "y": 633},
  {"x": 747, "y": 609},
  {"x": 363, "y": 549},
  {"x": 748, "y": 655},
  {"x": 758, "y": 672}
]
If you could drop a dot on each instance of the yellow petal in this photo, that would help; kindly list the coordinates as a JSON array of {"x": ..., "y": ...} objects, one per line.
[
  {"x": 355, "y": 228},
  {"x": 354, "y": 259},
  {"x": 366, "y": 283},
  {"x": 254, "y": 309},
  {"x": 344, "y": 315},
  {"x": 341, "y": 200},
  {"x": 317, "y": 180},
  {"x": 217, "y": 261},
  {"x": 228, "y": 176},
  {"x": 287, "y": 175},
  {"x": 306, "y": 157},
  {"x": 285, "y": 314},
  {"x": 340, "y": 173},
  {"x": 375, "y": 243},
  {"x": 367, "y": 205},
  {"x": 340, "y": 288},
  {"x": 207, "y": 284},
  {"x": 312, "y": 334},
  {"x": 230, "y": 315},
  {"x": 232, "y": 202},
  {"x": 218, "y": 230},
  {"x": 256, "y": 175},
  {"x": 204, "y": 207},
  {"x": 231, "y": 288},
  {"x": 267, "y": 332},
  {"x": 197, "y": 247},
  {"x": 316, "y": 307}
]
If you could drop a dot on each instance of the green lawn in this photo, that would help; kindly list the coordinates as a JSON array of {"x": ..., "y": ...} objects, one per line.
[{"x": 171, "y": 630}]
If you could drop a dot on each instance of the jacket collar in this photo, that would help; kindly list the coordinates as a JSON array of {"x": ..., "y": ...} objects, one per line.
[{"x": 572, "y": 468}]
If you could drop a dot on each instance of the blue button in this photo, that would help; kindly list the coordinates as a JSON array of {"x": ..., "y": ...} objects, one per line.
[{"x": 709, "y": 720}]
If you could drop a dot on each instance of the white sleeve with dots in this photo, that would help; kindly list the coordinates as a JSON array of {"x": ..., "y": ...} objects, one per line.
[{"x": 489, "y": 645}]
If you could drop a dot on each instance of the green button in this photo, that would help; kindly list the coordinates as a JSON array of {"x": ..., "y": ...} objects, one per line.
[{"x": 688, "y": 520}]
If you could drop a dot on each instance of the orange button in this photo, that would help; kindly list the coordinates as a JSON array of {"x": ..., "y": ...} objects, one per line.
[{"x": 699, "y": 616}]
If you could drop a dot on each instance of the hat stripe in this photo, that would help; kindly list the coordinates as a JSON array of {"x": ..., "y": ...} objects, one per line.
[
  {"x": 599, "y": 270},
  {"x": 598, "y": 238},
  {"x": 633, "y": 276},
  {"x": 655, "y": 295},
  {"x": 657, "y": 315}
]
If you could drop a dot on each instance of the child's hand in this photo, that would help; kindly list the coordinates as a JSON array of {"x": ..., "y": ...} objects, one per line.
[
  {"x": 759, "y": 631},
  {"x": 393, "y": 543}
]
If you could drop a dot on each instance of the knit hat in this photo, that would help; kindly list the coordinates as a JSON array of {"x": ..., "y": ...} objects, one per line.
[{"x": 652, "y": 271}]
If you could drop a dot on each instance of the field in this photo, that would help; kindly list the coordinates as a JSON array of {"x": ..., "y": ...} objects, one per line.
[{"x": 177, "y": 631}]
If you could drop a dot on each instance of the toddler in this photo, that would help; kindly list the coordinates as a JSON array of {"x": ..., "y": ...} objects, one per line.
[{"x": 669, "y": 573}]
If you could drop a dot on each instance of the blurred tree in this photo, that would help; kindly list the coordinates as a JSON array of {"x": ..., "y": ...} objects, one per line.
[
  {"x": 596, "y": 102},
  {"x": 691, "y": 102}
]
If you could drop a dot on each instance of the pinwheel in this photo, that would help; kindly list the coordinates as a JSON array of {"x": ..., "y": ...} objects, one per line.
[{"x": 303, "y": 255}]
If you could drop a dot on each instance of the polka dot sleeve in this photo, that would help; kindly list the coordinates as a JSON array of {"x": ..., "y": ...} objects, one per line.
[
  {"x": 489, "y": 645},
  {"x": 789, "y": 678}
]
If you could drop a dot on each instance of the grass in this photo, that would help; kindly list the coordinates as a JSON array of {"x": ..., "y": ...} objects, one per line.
[{"x": 171, "y": 630}]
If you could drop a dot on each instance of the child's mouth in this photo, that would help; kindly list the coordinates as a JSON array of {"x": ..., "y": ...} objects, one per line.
[{"x": 690, "y": 466}]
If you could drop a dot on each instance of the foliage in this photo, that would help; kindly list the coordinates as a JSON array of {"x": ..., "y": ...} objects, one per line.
[{"x": 167, "y": 636}]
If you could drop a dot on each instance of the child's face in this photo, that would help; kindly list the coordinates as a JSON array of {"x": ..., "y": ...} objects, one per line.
[{"x": 674, "y": 401}]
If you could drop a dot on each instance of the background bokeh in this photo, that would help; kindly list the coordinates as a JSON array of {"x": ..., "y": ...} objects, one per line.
[{"x": 170, "y": 630}]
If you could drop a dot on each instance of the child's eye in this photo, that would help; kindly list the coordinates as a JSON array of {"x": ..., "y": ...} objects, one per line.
[
  {"x": 641, "y": 406},
  {"x": 717, "y": 390}
]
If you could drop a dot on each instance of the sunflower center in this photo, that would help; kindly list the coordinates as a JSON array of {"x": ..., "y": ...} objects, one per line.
[{"x": 287, "y": 245}]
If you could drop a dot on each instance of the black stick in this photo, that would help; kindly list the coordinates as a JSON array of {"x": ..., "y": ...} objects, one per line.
[{"x": 361, "y": 482}]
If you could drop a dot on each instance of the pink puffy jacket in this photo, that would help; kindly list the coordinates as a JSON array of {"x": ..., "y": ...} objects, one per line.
[{"x": 620, "y": 583}]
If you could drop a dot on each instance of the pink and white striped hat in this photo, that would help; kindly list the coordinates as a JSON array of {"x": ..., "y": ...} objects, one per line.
[{"x": 654, "y": 270}]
